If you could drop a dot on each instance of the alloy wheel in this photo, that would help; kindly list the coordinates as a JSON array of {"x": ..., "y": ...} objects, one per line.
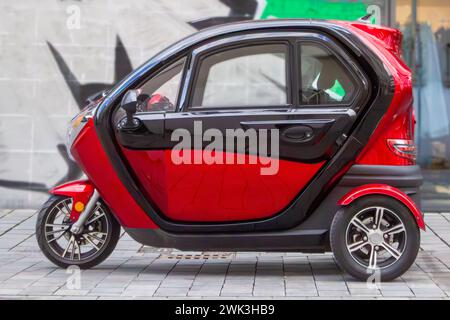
[
  {"x": 75, "y": 247},
  {"x": 376, "y": 237}
]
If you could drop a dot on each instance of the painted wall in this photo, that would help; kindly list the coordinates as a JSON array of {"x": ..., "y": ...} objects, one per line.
[
  {"x": 56, "y": 53},
  {"x": 53, "y": 55}
]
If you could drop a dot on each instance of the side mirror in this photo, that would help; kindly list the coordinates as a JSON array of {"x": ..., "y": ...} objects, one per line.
[{"x": 129, "y": 104}]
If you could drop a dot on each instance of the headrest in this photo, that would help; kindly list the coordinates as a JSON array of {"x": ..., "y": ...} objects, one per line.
[{"x": 329, "y": 73}]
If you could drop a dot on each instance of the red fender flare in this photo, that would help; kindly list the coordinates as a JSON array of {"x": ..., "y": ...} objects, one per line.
[
  {"x": 79, "y": 191},
  {"x": 382, "y": 189}
]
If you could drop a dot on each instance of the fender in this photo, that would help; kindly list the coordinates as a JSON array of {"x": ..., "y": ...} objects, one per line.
[
  {"x": 383, "y": 189},
  {"x": 80, "y": 191}
]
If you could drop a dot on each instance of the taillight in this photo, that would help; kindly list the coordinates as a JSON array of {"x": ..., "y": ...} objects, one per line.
[{"x": 403, "y": 148}]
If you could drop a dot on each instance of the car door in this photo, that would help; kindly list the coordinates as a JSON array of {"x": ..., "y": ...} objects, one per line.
[{"x": 258, "y": 117}]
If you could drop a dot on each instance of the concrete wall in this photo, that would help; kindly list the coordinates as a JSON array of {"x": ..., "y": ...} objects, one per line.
[
  {"x": 50, "y": 62},
  {"x": 55, "y": 53}
]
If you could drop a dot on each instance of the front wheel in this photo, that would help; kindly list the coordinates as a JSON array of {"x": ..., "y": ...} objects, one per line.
[
  {"x": 376, "y": 236},
  {"x": 62, "y": 247}
]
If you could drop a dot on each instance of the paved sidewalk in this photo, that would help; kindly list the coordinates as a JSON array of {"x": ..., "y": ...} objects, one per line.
[{"x": 134, "y": 271}]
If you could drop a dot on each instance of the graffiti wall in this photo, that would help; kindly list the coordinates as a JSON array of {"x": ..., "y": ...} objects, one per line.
[{"x": 54, "y": 54}]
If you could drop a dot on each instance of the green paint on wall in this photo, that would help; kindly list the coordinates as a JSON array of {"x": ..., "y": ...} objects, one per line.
[{"x": 314, "y": 9}]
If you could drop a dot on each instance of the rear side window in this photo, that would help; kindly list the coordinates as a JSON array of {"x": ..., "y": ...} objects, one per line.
[
  {"x": 324, "y": 80},
  {"x": 243, "y": 77}
]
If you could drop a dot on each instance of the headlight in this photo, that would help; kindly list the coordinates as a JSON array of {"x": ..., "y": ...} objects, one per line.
[{"x": 76, "y": 125}]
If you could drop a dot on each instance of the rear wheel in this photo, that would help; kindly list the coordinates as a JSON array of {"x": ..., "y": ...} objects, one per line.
[
  {"x": 375, "y": 236},
  {"x": 62, "y": 247}
]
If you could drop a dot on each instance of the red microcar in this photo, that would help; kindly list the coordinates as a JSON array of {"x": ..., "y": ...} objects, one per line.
[{"x": 277, "y": 135}]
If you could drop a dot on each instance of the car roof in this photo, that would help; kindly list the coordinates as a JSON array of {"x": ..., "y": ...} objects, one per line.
[
  {"x": 255, "y": 25},
  {"x": 250, "y": 25}
]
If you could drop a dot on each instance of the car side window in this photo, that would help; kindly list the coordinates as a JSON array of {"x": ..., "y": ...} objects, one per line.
[
  {"x": 160, "y": 93},
  {"x": 323, "y": 78},
  {"x": 243, "y": 77}
]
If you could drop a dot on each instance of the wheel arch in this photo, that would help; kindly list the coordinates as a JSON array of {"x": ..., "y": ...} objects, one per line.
[{"x": 386, "y": 190}]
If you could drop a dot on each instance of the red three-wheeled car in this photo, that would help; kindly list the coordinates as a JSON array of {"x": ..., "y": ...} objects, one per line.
[{"x": 282, "y": 135}]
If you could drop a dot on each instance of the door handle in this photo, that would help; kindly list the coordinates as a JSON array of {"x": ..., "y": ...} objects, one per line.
[
  {"x": 297, "y": 134},
  {"x": 295, "y": 130}
]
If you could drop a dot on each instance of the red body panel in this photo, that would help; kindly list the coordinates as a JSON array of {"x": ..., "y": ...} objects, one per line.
[
  {"x": 79, "y": 191},
  {"x": 389, "y": 38},
  {"x": 398, "y": 121},
  {"x": 382, "y": 189},
  {"x": 89, "y": 154},
  {"x": 219, "y": 192}
]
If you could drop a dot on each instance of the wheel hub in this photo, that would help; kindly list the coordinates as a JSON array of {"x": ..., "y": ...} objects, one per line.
[{"x": 376, "y": 238}]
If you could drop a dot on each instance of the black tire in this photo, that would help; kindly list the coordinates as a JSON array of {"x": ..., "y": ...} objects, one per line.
[
  {"x": 111, "y": 237},
  {"x": 339, "y": 236}
]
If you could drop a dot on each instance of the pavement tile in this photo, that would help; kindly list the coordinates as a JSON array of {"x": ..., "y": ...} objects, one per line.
[{"x": 134, "y": 271}]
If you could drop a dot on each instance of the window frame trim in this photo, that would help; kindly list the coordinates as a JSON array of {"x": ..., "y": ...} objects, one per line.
[
  {"x": 357, "y": 75},
  {"x": 292, "y": 38},
  {"x": 232, "y": 42}
]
